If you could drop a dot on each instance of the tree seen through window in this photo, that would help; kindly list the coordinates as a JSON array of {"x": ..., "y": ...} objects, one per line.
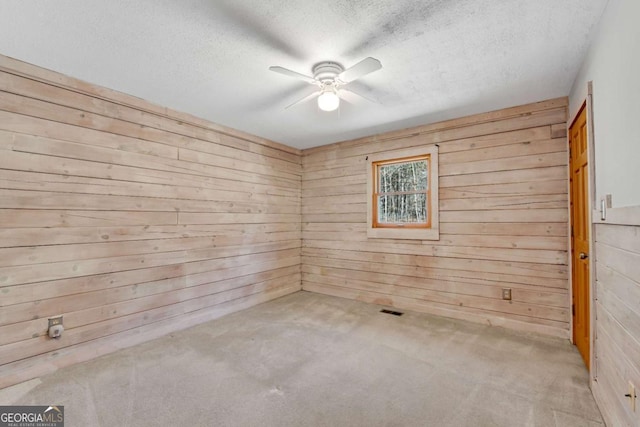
[{"x": 402, "y": 192}]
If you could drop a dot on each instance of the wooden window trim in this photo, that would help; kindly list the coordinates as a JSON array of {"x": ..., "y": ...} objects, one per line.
[{"x": 428, "y": 231}]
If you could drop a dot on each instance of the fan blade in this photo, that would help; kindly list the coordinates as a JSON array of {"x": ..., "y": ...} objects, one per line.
[
  {"x": 291, "y": 73},
  {"x": 305, "y": 99},
  {"x": 352, "y": 92},
  {"x": 347, "y": 97},
  {"x": 364, "y": 67},
  {"x": 278, "y": 96}
]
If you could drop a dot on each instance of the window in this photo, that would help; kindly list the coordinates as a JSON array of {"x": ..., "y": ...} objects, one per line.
[{"x": 403, "y": 194}]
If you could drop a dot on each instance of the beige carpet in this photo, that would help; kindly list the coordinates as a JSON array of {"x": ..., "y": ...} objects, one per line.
[{"x": 313, "y": 360}]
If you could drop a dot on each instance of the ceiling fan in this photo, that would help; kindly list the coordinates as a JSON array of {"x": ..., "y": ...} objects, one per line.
[{"x": 331, "y": 78}]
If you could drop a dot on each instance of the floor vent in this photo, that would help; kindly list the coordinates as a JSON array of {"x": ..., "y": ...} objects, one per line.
[{"x": 395, "y": 313}]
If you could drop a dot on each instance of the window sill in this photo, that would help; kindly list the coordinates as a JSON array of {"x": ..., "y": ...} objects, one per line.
[{"x": 404, "y": 233}]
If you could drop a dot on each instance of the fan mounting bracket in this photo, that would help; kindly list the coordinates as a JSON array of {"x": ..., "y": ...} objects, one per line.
[{"x": 327, "y": 72}]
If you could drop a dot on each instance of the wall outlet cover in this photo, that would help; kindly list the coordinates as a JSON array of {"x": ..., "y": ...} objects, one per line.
[{"x": 53, "y": 321}]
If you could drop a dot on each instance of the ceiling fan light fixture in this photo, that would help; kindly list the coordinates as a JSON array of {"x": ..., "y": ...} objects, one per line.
[
  {"x": 329, "y": 76},
  {"x": 328, "y": 101}
]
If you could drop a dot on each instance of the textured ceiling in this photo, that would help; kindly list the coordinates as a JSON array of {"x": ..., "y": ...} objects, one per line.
[{"x": 441, "y": 58}]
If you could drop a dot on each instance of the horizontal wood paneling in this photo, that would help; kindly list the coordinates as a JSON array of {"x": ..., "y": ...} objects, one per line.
[
  {"x": 130, "y": 220},
  {"x": 503, "y": 222},
  {"x": 617, "y": 335}
]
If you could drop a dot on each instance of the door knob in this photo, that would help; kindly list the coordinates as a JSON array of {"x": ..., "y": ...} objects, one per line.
[{"x": 583, "y": 255}]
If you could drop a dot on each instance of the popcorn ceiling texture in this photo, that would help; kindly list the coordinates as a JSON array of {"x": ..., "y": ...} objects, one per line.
[{"x": 442, "y": 58}]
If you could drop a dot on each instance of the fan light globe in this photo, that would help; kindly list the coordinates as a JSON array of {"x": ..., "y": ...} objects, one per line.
[{"x": 328, "y": 101}]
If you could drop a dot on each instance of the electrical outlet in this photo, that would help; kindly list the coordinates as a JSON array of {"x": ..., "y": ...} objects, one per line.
[
  {"x": 632, "y": 397},
  {"x": 506, "y": 294},
  {"x": 53, "y": 321},
  {"x": 55, "y": 327}
]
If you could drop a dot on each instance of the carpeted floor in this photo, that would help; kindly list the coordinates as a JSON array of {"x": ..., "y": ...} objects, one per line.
[{"x": 313, "y": 360}]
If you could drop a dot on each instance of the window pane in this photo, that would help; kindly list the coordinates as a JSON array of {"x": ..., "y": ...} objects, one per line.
[
  {"x": 400, "y": 177},
  {"x": 403, "y": 208}
]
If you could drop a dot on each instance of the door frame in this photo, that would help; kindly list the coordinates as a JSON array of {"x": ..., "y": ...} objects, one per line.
[{"x": 587, "y": 104}]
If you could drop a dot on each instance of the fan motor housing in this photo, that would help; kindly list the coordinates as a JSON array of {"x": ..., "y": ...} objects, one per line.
[{"x": 327, "y": 71}]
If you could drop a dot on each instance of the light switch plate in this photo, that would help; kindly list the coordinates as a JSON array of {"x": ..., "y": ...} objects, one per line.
[{"x": 506, "y": 294}]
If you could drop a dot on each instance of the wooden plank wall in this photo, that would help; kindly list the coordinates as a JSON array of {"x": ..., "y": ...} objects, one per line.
[
  {"x": 129, "y": 220},
  {"x": 503, "y": 222},
  {"x": 617, "y": 344}
]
